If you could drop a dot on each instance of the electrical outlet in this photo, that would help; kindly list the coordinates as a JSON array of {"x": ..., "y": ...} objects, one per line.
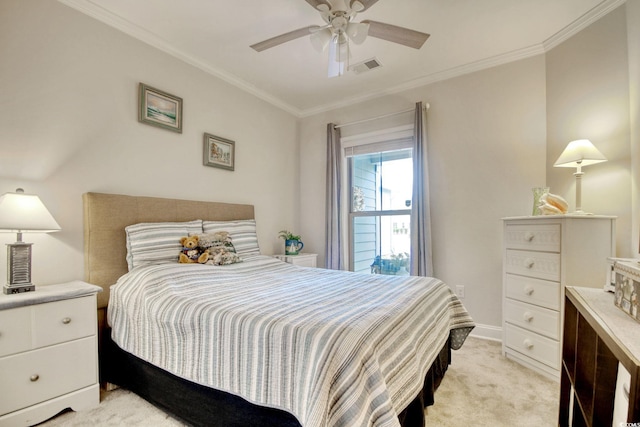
[{"x": 460, "y": 291}]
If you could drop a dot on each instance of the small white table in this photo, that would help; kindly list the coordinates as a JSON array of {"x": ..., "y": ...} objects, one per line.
[
  {"x": 48, "y": 352},
  {"x": 303, "y": 260}
]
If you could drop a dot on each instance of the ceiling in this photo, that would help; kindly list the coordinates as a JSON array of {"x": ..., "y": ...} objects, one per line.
[{"x": 466, "y": 36}]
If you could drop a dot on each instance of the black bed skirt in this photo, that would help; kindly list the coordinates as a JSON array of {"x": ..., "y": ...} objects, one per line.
[{"x": 198, "y": 405}]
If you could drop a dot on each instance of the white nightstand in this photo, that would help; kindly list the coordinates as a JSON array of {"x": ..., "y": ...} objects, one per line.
[
  {"x": 48, "y": 352},
  {"x": 303, "y": 260}
]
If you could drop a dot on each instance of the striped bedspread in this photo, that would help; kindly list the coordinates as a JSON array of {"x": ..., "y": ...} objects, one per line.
[{"x": 333, "y": 348}]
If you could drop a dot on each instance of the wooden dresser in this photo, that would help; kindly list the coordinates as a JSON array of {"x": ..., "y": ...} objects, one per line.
[
  {"x": 600, "y": 383},
  {"x": 542, "y": 255}
]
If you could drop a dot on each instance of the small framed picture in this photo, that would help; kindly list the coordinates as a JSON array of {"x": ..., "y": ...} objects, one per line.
[
  {"x": 219, "y": 152},
  {"x": 158, "y": 108}
]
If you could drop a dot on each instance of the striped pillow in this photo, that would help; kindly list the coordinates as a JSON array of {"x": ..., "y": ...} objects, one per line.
[
  {"x": 157, "y": 242},
  {"x": 242, "y": 232}
]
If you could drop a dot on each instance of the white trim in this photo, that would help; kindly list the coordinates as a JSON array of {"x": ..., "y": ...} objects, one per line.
[
  {"x": 129, "y": 28},
  {"x": 151, "y": 39},
  {"x": 581, "y": 23},
  {"x": 390, "y": 134},
  {"x": 487, "y": 332}
]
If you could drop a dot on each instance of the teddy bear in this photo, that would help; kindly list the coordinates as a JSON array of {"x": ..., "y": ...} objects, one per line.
[{"x": 191, "y": 252}]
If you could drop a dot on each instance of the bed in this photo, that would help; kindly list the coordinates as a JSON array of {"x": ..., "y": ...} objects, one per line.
[{"x": 260, "y": 342}]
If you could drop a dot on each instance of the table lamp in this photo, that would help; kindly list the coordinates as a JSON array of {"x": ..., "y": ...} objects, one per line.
[
  {"x": 579, "y": 153},
  {"x": 22, "y": 213}
]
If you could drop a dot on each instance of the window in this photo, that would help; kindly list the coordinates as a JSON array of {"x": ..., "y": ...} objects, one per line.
[{"x": 380, "y": 212}]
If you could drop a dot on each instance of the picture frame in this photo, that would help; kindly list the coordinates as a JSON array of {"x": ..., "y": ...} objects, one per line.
[
  {"x": 219, "y": 152},
  {"x": 159, "y": 108}
]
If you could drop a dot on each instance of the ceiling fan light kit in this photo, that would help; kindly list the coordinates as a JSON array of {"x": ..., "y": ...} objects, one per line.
[{"x": 340, "y": 29}]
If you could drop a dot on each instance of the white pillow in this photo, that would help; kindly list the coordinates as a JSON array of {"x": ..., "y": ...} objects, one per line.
[
  {"x": 157, "y": 242},
  {"x": 242, "y": 232}
]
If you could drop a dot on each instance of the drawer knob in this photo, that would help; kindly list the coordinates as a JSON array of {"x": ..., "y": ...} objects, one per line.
[
  {"x": 34, "y": 378},
  {"x": 529, "y": 263},
  {"x": 66, "y": 320},
  {"x": 528, "y": 344},
  {"x": 528, "y": 290},
  {"x": 529, "y": 236},
  {"x": 528, "y": 317}
]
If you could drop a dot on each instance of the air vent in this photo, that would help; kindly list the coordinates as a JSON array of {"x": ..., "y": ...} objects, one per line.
[{"x": 364, "y": 66}]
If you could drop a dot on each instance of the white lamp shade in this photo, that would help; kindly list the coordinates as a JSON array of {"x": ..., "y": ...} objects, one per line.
[
  {"x": 580, "y": 152},
  {"x": 320, "y": 39},
  {"x": 21, "y": 212},
  {"x": 357, "y": 32}
]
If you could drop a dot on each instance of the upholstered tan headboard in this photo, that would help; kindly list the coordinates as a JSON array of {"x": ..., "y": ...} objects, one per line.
[{"x": 106, "y": 216}]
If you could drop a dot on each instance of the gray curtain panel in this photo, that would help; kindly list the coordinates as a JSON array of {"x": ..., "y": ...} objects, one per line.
[
  {"x": 421, "y": 253},
  {"x": 334, "y": 252}
]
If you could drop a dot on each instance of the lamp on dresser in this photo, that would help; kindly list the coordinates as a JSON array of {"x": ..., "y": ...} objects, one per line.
[
  {"x": 579, "y": 153},
  {"x": 22, "y": 213}
]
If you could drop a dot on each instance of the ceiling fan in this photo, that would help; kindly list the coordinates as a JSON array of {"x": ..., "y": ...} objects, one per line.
[{"x": 340, "y": 29}]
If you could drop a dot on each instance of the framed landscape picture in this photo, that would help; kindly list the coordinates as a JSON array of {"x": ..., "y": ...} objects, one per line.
[
  {"x": 219, "y": 152},
  {"x": 158, "y": 108}
]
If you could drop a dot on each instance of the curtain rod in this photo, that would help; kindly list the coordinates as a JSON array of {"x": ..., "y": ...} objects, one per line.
[{"x": 426, "y": 107}]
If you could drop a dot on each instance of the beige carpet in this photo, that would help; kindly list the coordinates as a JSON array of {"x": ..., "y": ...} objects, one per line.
[{"x": 481, "y": 388}]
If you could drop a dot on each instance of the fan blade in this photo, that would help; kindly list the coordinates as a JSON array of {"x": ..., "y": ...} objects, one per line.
[
  {"x": 338, "y": 55},
  {"x": 336, "y": 68},
  {"x": 283, "y": 38},
  {"x": 363, "y": 4},
  {"x": 395, "y": 34},
  {"x": 316, "y": 3}
]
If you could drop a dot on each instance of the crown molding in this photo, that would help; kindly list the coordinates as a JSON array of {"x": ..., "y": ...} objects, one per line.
[
  {"x": 127, "y": 27},
  {"x": 581, "y": 23},
  {"x": 99, "y": 13},
  {"x": 432, "y": 78},
  {"x": 578, "y": 25}
]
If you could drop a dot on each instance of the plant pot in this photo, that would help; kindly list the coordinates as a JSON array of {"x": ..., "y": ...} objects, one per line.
[{"x": 292, "y": 247}]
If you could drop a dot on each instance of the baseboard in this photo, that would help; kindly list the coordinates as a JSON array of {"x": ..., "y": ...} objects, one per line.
[{"x": 487, "y": 332}]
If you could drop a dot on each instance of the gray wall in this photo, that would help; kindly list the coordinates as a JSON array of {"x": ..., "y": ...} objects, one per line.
[
  {"x": 68, "y": 124},
  {"x": 588, "y": 97},
  {"x": 487, "y": 145}
]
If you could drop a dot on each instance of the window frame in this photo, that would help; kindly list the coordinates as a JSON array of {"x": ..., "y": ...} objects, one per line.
[{"x": 352, "y": 215}]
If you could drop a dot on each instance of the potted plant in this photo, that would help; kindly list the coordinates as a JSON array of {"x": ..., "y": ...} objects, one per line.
[{"x": 292, "y": 242}]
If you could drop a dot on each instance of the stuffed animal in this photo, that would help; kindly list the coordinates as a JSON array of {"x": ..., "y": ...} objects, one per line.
[
  {"x": 220, "y": 248},
  {"x": 223, "y": 256},
  {"x": 217, "y": 239},
  {"x": 191, "y": 252}
]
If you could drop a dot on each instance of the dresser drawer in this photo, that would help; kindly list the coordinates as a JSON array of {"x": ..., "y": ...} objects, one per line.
[
  {"x": 39, "y": 375},
  {"x": 533, "y": 291},
  {"x": 535, "y": 346},
  {"x": 533, "y": 318},
  {"x": 543, "y": 237},
  {"x": 64, "y": 320},
  {"x": 15, "y": 330},
  {"x": 540, "y": 265}
]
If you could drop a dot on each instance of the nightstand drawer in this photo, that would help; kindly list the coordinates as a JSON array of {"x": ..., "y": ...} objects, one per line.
[
  {"x": 535, "y": 346},
  {"x": 544, "y": 238},
  {"x": 15, "y": 330},
  {"x": 533, "y": 318},
  {"x": 540, "y": 265},
  {"x": 64, "y": 320},
  {"x": 533, "y": 291},
  {"x": 42, "y": 374}
]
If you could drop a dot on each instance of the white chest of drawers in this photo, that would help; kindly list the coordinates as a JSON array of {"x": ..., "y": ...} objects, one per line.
[
  {"x": 48, "y": 352},
  {"x": 542, "y": 255}
]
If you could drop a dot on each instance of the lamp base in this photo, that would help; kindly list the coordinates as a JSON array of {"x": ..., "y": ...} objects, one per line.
[{"x": 18, "y": 289}]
